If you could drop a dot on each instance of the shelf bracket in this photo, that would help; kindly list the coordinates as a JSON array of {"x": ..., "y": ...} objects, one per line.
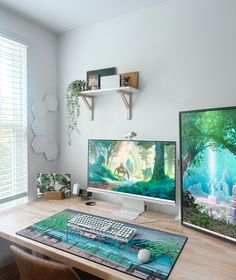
[
  {"x": 89, "y": 102},
  {"x": 127, "y": 100}
]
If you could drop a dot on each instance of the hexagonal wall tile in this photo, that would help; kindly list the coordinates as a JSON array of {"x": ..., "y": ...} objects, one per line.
[
  {"x": 39, "y": 109},
  {"x": 39, "y": 127},
  {"x": 51, "y": 151},
  {"x": 51, "y": 102},
  {"x": 39, "y": 144}
]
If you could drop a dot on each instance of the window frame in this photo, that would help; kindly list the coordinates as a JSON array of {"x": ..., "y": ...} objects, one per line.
[{"x": 19, "y": 126}]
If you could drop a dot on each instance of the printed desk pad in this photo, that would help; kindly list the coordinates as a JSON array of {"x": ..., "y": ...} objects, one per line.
[{"x": 165, "y": 247}]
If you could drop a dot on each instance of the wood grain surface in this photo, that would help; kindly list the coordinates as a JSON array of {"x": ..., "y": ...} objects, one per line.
[{"x": 203, "y": 257}]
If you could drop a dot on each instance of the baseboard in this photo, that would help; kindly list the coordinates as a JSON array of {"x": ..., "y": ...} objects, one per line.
[{"x": 9, "y": 272}]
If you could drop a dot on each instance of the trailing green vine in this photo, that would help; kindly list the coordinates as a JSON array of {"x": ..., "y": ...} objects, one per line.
[{"x": 73, "y": 106}]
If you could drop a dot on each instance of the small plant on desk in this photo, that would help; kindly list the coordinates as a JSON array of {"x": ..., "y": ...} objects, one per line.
[{"x": 54, "y": 186}]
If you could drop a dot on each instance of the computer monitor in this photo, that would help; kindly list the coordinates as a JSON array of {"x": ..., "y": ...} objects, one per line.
[{"x": 139, "y": 170}]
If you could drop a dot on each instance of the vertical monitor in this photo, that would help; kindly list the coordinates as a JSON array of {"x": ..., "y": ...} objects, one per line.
[
  {"x": 208, "y": 170},
  {"x": 142, "y": 169}
]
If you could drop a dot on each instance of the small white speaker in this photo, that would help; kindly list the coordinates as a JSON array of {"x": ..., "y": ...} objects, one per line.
[{"x": 76, "y": 188}]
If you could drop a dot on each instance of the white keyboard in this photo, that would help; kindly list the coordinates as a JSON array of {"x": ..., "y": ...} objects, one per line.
[{"x": 102, "y": 226}]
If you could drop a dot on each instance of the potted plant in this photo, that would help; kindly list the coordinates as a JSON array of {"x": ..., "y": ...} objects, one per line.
[
  {"x": 53, "y": 185},
  {"x": 73, "y": 106}
]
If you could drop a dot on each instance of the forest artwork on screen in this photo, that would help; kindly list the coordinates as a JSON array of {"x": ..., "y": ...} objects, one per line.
[
  {"x": 143, "y": 168},
  {"x": 208, "y": 163}
]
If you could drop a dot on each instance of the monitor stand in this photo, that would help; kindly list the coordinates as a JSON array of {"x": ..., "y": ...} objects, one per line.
[{"x": 130, "y": 209}]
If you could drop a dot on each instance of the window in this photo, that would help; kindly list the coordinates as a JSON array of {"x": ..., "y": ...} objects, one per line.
[{"x": 13, "y": 120}]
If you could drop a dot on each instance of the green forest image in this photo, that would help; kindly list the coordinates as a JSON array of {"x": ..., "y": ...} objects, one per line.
[
  {"x": 209, "y": 170},
  {"x": 145, "y": 168}
]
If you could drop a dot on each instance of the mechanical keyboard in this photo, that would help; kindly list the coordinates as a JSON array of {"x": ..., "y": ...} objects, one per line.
[{"x": 102, "y": 226}]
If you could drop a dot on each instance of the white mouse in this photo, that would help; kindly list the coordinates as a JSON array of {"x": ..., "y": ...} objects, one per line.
[{"x": 144, "y": 255}]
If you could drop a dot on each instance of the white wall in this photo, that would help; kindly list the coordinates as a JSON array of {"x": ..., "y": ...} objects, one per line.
[
  {"x": 185, "y": 53},
  {"x": 183, "y": 49},
  {"x": 42, "y": 78}
]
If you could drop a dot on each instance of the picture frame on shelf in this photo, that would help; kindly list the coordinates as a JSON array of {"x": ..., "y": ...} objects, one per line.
[
  {"x": 94, "y": 76},
  {"x": 208, "y": 171},
  {"x": 93, "y": 81},
  {"x": 129, "y": 79}
]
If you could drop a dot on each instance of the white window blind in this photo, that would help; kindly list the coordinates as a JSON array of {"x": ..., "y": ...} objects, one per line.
[{"x": 13, "y": 120}]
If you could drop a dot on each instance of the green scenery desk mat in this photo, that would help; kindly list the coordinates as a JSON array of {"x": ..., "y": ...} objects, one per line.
[{"x": 165, "y": 247}]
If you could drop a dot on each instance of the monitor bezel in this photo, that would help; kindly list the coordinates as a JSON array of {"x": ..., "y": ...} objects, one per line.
[
  {"x": 129, "y": 195},
  {"x": 184, "y": 223}
]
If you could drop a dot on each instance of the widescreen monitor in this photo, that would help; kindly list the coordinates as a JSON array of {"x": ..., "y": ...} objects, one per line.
[{"x": 143, "y": 170}]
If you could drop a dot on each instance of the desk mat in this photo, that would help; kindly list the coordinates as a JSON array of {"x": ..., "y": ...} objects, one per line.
[{"x": 165, "y": 247}]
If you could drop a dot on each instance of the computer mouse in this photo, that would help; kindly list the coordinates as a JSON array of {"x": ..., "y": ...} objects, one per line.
[
  {"x": 144, "y": 255},
  {"x": 90, "y": 203}
]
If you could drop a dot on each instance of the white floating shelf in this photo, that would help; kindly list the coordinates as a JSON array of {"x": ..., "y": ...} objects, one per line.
[
  {"x": 125, "y": 93},
  {"x": 108, "y": 91}
]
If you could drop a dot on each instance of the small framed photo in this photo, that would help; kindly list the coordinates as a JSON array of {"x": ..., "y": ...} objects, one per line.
[
  {"x": 93, "y": 81},
  {"x": 129, "y": 79},
  {"x": 94, "y": 76}
]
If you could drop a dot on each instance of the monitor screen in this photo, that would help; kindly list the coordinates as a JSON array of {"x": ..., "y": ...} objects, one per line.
[{"x": 146, "y": 169}]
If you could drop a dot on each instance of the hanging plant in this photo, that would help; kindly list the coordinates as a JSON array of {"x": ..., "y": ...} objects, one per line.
[{"x": 73, "y": 106}]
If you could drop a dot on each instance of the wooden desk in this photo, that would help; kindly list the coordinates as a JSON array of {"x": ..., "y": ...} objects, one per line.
[{"x": 203, "y": 257}]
